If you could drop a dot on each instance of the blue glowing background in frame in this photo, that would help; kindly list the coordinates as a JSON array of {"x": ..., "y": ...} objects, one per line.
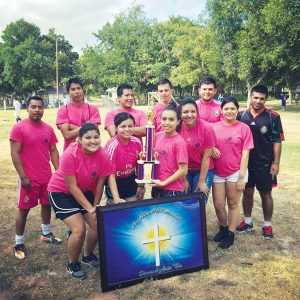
[{"x": 152, "y": 240}]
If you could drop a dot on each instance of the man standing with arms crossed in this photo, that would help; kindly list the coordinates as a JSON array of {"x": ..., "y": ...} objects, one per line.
[
  {"x": 33, "y": 143},
  {"x": 72, "y": 116},
  {"x": 264, "y": 159}
]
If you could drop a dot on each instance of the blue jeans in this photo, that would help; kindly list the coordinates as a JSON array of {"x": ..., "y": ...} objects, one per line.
[{"x": 193, "y": 179}]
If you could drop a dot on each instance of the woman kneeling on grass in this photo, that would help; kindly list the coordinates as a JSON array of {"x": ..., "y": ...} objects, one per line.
[
  {"x": 172, "y": 155},
  {"x": 234, "y": 141},
  {"x": 123, "y": 150},
  {"x": 82, "y": 167}
]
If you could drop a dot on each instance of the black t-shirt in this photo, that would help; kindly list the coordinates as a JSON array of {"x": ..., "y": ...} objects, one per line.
[{"x": 266, "y": 129}]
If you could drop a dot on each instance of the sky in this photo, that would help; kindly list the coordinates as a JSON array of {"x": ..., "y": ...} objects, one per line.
[{"x": 76, "y": 20}]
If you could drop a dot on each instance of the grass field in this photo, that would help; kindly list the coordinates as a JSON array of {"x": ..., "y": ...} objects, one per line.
[{"x": 254, "y": 268}]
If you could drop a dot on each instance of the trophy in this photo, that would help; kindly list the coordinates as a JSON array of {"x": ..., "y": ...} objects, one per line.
[{"x": 148, "y": 156}]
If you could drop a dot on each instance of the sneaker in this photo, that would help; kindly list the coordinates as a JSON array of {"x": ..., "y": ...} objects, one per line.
[
  {"x": 244, "y": 227},
  {"x": 75, "y": 270},
  {"x": 50, "y": 238},
  {"x": 267, "y": 232},
  {"x": 91, "y": 260},
  {"x": 221, "y": 234},
  {"x": 20, "y": 251},
  {"x": 227, "y": 241}
]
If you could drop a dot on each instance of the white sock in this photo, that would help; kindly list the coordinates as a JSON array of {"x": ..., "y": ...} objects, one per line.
[
  {"x": 46, "y": 228},
  {"x": 19, "y": 239},
  {"x": 248, "y": 220},
  {"x": 267, "y": 223}
]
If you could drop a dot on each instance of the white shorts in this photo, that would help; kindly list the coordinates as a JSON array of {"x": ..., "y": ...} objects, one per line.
[{"x": 230, "y": 178}]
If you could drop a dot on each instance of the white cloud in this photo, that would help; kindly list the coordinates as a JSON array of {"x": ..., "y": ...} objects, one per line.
[{"x": 78, "y": 19}]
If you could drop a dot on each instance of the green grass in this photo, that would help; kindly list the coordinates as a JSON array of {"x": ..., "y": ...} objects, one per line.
[{"x": 254, "y": 268}]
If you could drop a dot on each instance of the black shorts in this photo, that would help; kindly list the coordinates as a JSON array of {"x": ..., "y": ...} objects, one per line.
[
  {"x": 261, "y": 179},
  {"x": 157, "y": 193},
  {"x": 65, "y": 205},
  {"x": 127, "y": 187}
]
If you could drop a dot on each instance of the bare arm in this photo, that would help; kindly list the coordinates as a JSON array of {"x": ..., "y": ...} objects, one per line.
[
  {"x": 77, "y": 193},
  {"x": 99, "y": 190},
  {"x": 69, "y": 132},
  {"x": 140, "y": 131},
  {"x": 114, "y": 189},
  {"x": 181, "y": 172},
  {"x": 204, "y": 169},
  {"x": 240, "y": 185},
  {"x": 111, "y": 129},
  {"x": 15, "y": 151},
  {"x": 277, "y": 155},
  {"x": 54, "y": 156}
]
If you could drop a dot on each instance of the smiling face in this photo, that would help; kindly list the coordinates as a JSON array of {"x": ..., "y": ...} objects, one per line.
[
  {"x": 258, "y": 101},
  {"x": 207, "y": 91},
  {"x": 230, "y": 112},
  {"x": 35, "y": 110},
  {"x": 90, "y": 142},
  {"x": 165, "y": 93},
  {"x": 127, "y": 99},
  {"x": 169, "y": 121},
  {"x": 125, "y": 129},
  {"x": 76, "y": 92},
  {"x": 189, "y": 114}
]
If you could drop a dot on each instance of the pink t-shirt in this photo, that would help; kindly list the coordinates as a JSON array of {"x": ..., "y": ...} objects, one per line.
[
  {"x": 36, "y": 139},
  {"x": 231, "y": 141},
  {"x": 197, "y": 139},
  {"x": 171, "y": 152},
  {"x": 77, "y": 115},
  {"x": 157, "y": 109},
  {"x": 86, "y": 169},
  {"x": 123, "y": 157},
  {"x": 209, "y": 111}
]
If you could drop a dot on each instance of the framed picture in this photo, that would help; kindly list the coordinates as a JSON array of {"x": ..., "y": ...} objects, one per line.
[{"x": 154, "y": 238}]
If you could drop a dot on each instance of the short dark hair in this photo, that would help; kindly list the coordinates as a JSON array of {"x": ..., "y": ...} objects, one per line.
[
  {"x": 186, "y": 101},
  {"x": 229, "y": 99},
  {"x": 208, "y": 80},
  {"x": 260, "y": 89},
  {"x": 73, "y": 80},
  {"x": 123, "y": 116},
  {"x": 165, "y": 81},
  {"x": 87, "y": 127},
  {"x": 34, "y": 98},
  {"x": 122, "y": 87},
  {"x": 173, "y": 107}
]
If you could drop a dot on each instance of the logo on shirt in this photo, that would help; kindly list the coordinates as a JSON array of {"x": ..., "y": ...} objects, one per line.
[
  {"x": 264, "y": 129},
  {"x": 45, "y": 140},
  {"x": 197, "y": 144},
  {"x": 162, "y": 153},
  {"x": 229, "y": 139},
  {"x": 217, "y": 113},
  {"x": 94, "y": 174}
]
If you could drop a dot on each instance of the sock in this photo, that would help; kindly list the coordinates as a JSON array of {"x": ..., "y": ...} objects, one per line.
[
  {"x": 19, "y": 239},
  {"x": 46, "y": 229},
  {"x": 248, "y": 220},
  {"x": 267, "y": 223}
]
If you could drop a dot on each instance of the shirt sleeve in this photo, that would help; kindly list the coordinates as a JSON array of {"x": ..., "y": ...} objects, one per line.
[
  {"x": 106, "y": 163},
  {"x": 209, "y": 137},
  {"x": 277, "y": 135},
  {"x": 181, "y": 153},
  {"x": 248, "y": 139},
  {"x": 62, "y": 116},
  {"x": 95, "y": 115},
  {"x": 16, "y": 134},
  {"x": 67, "y": 164},
  {"x": 109, "y": 119},
  {"x": 143, "y": 118},
  {"x": 53, "y": 138}
]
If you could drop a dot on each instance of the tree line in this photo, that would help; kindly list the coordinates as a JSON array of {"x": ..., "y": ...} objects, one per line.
[{"x": 240, "y": 42}]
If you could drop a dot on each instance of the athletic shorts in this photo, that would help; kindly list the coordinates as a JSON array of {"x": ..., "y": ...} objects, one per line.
[
  {"x": 261, "y": 179},
  {"x": 230, "y": 178},
  {"x": 65, "y": 205},
  {"x": 157, "y": 193},
  {"x": 127, "y": 188},
  {"x": 30, "y": 198}
]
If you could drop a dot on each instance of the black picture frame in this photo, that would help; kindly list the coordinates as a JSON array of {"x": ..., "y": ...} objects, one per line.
[{"x": 129, "y": 233}]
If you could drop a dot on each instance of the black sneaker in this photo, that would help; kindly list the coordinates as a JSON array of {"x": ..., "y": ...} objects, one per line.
[
  {"x": 243, "y": 226},
  {"x": 75, "y": 270},
  {"x": 221, "y": 234},
  {"x": 91, "y": 260},
  {"x": 267, "y": 232},
  {"x": 20, "y": 251},
  {"x": 227, "y": 241}
]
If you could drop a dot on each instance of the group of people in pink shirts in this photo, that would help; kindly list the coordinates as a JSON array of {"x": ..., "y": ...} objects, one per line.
[{"x": 200, "y": 144}]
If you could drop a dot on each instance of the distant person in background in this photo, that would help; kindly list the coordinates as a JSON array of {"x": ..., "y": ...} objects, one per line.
[
  {"x": 33, "y": 144},
  {"x": 165, "y": 91},
  {"x": 283, "y": 99},
  {"x": 17, "y": 107},
  {"x": 126, "y": 102},
  {"x": 220, "y": 98},
  {"x": 264, "y": 159},
  {"x": 209, "y": 109},
  {"x": 72, "y": 116}
]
